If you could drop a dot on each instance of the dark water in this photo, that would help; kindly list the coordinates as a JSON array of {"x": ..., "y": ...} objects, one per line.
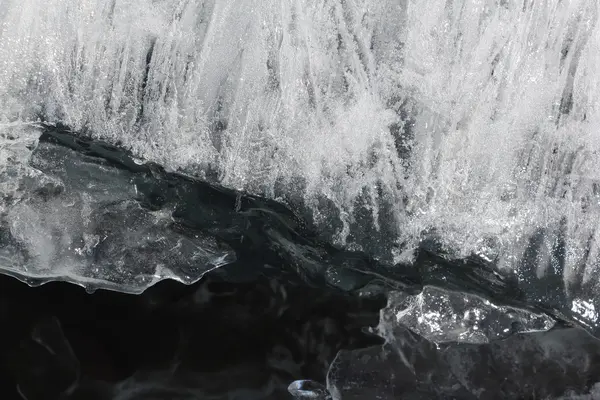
[{"x": 266, "y": 302}]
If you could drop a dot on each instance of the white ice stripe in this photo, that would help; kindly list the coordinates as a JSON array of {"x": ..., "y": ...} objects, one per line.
[{"x": 499, "y": 102}]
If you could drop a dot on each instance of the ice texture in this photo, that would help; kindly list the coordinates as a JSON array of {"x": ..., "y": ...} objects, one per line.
[
  {"x": 72, "y": 217},
  {"x": 474, "y": 123}
]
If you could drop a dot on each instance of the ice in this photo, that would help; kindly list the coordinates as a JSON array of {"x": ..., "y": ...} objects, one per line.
[
  {"x": 445, "y": 316},
  {"x": 418, "y": 363},
  {"x": 253, "y": 93},
  {"x": 65, "y": 216},
  {"x": 476, "y": 120},
  {"x": 308, "y": 390}
]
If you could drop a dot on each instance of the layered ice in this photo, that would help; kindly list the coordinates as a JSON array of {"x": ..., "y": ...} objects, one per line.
[
  {"x": 65, "y": 216},
  {"x": 475, "y": 122}
]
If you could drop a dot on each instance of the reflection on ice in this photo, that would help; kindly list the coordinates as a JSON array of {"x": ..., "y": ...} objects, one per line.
[
  {"x": 445, "y": 316},
  {"x": 584, "y": 309}
]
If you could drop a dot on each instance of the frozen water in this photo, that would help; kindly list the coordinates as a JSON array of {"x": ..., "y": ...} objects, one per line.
[
  {"x": 417, "y": 363},
  {"x": 476, "y": 120},
  {"x": 65, "y": 216},
  {"x": 445, "y": 316}
]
